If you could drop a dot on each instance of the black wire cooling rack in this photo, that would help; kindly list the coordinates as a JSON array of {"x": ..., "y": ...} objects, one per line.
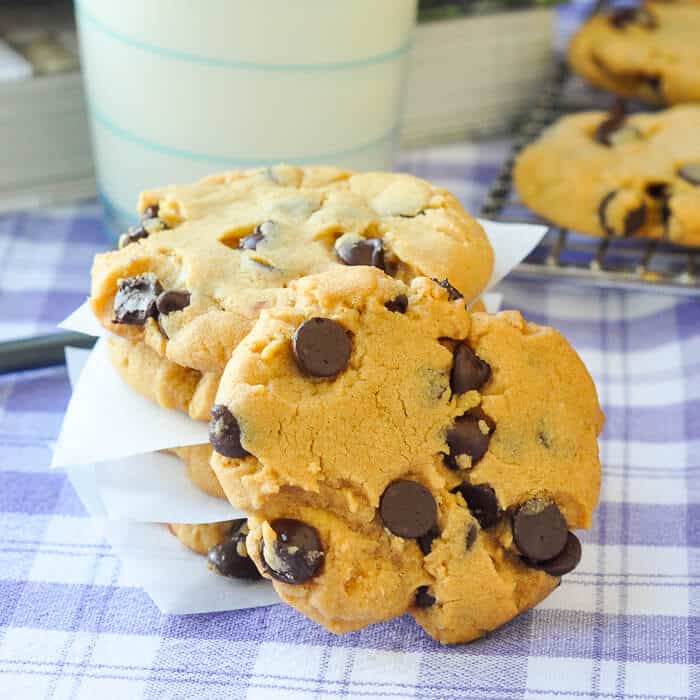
[{"x": 647, "y": 265}]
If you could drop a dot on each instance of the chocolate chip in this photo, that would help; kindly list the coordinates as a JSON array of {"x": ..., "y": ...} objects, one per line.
[
  {"x": 425, "y": 542},
  {"x": 407, "y": 508},
  {"x": 472, "y": 532},
  {"x": 566, "y": 561},
  {"x": 624, "y": 16},
  {"x": 363, "y": 251},
  {"x": 657, "y": 190},
  {"x": 135, "y": 300},
  {"x": 132, "y": 235},
  {"x": 250, "y": 242},
  {"x": 482, "y": 502},
  {"x": 151, "y": 211},
  {"x": 690, "y": 172},
  {"x": 225, "y": 433},
  {"x": 544, "y": 440},
  {"x": 399, "y": 304},
  {"x": 423, "y": 598},
  {"x": 633, "y": 221},
  {"x": 452, "y": 293},
  {"x": 539, "y": 530},
  {"x": 229, "y": 558},
  {"x": 296, "y": 554},
  {"x": 468, "y": 371},
  {"x": 321, "y": 347},
  {"x": 614, "y": 130},
  {"x": 172, "y": 300},
  {"x": 466, "y": 437}
]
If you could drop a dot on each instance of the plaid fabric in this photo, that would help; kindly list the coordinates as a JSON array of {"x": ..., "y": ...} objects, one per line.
[{"x": 625, "y": 624}]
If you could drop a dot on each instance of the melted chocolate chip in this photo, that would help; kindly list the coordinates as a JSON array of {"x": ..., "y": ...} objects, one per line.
[
  {"x": 172, "y": 300},
  {"x": 466, "y": 437},
  {"x": 365, "y": 251},
  {"x": 296, "y": 553},
  {"x": 566, "y": 561},
  {"x": 482, "y": 502},
  {"x": 250, "y": 242},
  {"x": 132, "y": 235},
  {"x": 614, "y": 131},
  {"x": 321, "y": 347},
  {"x": 229, "y": 558},
  {"x": 151, "y": 211},
  {"x": 425, "y": 542},
  {"x": 423, "y": 598},
  {"x": 472, "y": 532},
  {"x": 407, "y": 509},
  {"x": 225, "y": 433},
  {"x": 690, "y": 172},
  {"x": 399, "y": 304},
  {"x": 452, "y": 293},
  {"x": 539, "y": 530},
  {"x": 468, "y": 371},
  {"x": 135, "y": 300},
  {"x": 634, "y": 219}
]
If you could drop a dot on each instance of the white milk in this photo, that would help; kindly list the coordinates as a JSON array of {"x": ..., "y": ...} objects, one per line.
[{"x": 180, "y": 89}]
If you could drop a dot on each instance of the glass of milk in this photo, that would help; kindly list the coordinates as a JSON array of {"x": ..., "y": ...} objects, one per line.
[{"x": 178, "y": 89}]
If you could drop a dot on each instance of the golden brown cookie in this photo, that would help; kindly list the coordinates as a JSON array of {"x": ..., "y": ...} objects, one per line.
[
  {"x": 651, "y": 52},
  {"x": 193, "y": 277},
  {"x": 617, "y": 175},
  {"x": 396, "y": 453}
]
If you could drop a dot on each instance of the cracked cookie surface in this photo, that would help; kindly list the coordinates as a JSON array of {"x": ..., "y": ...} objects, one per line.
[
  {"x": 435, "y": 468},
  {"x": 617, "y": 175},
  {"x": 650, "y": 52},
  {"x": 191, "y": 279}
]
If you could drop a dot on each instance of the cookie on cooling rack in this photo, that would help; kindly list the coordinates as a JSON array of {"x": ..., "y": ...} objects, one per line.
[
  {"x": 617, "y": 175},
  {"x": 651, "y": 52}
]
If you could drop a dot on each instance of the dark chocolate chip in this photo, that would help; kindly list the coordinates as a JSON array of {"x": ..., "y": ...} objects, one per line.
[
  {"x": 150, "y": 212},
  {"x": 539, "y": 530},
  {"x": 566, "y": 561},
  {"x": 614, "y": 130},
  {"x": 653, "y": 82},
  {"x": 296, "y": 554},
  {"x": 624, "y": 16},
  {"x": 399, "y": 304},
  {"x": 472, "y": 532},
  {"x": 132, "y": 235},
  {"x": 452, "y": 293},
  {"x": 482, "y": 502},
  {"x": 544, "y": 440},
  {"x": 365, "y": 251},
  {"x": 690, "y": 172},
  {"x": 172, "y": 300},
  {"x": 425, "y": 542},
  {"x": 321, "y": 347},
  {"x": 407, "y": 508},
  {"x": 229, "y": 558},
  {"x": 468, "y": 371},
  {"x": 657, "y": 190},
  {"x": 250, "y": 242},
  {"x": 423, "y": 598},
  {"x": 633, "y": 221},
  {"x": 225, "y": 433},
  {"x": 135, "y": 300},
  {"x": 465, "y": 437}
]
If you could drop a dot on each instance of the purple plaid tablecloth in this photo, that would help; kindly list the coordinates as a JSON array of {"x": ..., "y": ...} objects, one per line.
[{"x": 625, "y": 624}]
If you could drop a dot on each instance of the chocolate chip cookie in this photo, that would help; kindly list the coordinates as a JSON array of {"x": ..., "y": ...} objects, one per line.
[
  {"x": 396, "y": 453},
  {"x": 650, "y": 51},
  {"x": 618, "y": 175},
  {"x": 190, "y": 280}
]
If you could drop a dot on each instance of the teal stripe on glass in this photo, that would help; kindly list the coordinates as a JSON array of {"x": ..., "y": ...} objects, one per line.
[
  {"x": 103, "y": 120},
  {"x": 237, "y": 65}
]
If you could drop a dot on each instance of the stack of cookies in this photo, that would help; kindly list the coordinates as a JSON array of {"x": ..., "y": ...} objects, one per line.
[
  {"x": 394, "y": 448},
  {"x": 616, "y": 175}
]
